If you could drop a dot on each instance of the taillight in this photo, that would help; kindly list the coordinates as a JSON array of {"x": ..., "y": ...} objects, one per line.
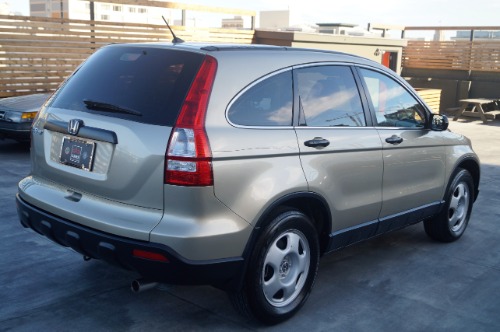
[
  {"x": 188, "y": 160},
  {"x": 153, "y": 256}
]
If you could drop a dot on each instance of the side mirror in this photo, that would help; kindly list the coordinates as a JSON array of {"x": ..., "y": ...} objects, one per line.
[{"x": 439, "y": 122}]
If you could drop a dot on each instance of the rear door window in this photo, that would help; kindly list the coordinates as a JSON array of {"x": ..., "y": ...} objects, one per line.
[
  {"x": 152, "y": 82},
  {"x": 267, "y": 103},
  {"x": 329, "y": 97}
]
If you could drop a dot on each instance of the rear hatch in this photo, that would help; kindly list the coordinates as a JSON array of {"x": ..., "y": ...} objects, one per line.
[{"x": 104, "y": 135}]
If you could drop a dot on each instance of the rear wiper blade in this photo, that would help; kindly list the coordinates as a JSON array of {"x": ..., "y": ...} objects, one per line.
[{"x": 98, "y": 105}]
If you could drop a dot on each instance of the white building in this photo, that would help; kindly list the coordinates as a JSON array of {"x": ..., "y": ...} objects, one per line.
[
  {"x": 236, "y": 22},
  {"x": 283, "y": 20},
  {"x": 80, "y": 10},
  {"x": 274, "y": 19}
]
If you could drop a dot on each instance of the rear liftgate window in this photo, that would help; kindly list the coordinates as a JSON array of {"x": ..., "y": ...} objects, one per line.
[{"x": 143, "y": 84}]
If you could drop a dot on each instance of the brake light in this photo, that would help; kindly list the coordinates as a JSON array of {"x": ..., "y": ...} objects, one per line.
[{"x": 188, "y": 161}]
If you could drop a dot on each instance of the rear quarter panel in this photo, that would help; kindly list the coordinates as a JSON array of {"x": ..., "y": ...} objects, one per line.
[{"x": 252, "y": 167}]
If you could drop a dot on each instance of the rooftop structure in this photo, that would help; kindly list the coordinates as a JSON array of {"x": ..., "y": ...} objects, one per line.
[
  {"x": 335, "y": 28},
  {"x": 236, "y": 22},
  {"x": 482, "y": 34}
]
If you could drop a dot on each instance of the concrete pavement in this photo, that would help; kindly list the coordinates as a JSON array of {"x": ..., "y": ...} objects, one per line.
[{"x": 401, "y": 281}]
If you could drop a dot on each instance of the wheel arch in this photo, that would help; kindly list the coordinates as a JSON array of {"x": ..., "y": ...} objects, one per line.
[
  {"x": 313, "y": 205},
  {"x": 472, "y": 166}
]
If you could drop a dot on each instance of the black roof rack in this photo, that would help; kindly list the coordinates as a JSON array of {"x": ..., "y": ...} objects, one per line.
[{"x": 261, "y": 47}]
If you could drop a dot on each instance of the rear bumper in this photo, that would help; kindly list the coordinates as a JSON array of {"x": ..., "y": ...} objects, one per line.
[{"x": 116, "y": 250}]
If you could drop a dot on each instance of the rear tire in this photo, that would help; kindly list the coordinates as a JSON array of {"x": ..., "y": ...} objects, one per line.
[
  {"x": 281, "y": 271},
  {"x": 451, "y": 222}
]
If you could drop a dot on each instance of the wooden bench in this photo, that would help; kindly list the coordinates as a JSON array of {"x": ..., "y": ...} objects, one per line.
[{"x": 477, "y": 109}]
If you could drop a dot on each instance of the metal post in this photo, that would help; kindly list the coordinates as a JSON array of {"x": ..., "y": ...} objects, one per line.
[
  {"x": 92, "y": 10},
  {"x": 92, "y": 25}
]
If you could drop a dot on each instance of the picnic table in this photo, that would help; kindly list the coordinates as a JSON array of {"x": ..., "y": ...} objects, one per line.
[{"x": 477, "y": 109}]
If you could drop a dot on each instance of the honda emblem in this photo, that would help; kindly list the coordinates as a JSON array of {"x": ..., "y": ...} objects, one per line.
[{"x": 74, "y": 126}]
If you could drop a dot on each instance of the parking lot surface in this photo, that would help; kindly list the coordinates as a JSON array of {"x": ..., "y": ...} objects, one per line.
[{"x": 401, "y": 281}]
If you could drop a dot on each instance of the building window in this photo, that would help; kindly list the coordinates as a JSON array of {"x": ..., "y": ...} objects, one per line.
[
  {"x": 105, "y": 17},
  {"x": 132, "y": 9},
  {"x": 37, "y": 7},
  {"x": 143, "y": 10},
  {"x": 105, "y": 7},
  {"x": 117, "y": 8}
]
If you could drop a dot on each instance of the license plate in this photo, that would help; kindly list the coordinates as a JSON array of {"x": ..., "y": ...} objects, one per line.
[{"x": 77, "y": 153}]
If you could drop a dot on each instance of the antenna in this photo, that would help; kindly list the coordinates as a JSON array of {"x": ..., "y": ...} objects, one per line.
[{"x": 176, "y": 39}]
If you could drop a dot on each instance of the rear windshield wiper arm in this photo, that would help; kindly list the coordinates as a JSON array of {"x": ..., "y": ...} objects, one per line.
[{"x": 97, "y": 105}]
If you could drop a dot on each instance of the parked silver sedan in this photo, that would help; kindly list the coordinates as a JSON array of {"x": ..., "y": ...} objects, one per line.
[{"x": 17, "y": 114}]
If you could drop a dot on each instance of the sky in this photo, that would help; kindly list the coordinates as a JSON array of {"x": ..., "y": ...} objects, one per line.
[{"x": 362, "y": 12}]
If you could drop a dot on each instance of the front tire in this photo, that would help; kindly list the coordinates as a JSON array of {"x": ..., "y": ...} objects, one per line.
[
  {"x": 281, "y": 271},
  {"x": 451, "y": 222}
]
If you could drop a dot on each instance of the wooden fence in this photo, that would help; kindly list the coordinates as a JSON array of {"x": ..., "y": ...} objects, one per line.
[
  {"x": 453, "y": 55},
  {"x": 37, "y": 53}
]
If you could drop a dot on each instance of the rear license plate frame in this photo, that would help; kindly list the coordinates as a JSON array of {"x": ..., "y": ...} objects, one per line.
[{"x": 77, "y": 152}]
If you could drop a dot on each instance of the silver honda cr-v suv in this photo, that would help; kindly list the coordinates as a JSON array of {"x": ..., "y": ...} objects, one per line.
[{"x": 239, "y": 166}]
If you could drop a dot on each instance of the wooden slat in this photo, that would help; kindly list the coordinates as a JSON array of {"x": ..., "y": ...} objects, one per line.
[
  {"x": 455, "y": 55},
  {"x": 7, "y": 82},
  {"x": 43, "y": 72},
  {"x": 31, "y": 86},
  {"x": 432, "y": 98}
]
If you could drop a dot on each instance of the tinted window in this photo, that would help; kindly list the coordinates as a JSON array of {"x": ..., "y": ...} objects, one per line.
[
  {"x": 394, "y": 105},
  {"x": 267, "y": 103},
  {"x": 152, "y": 81},
  {"x": 329, "y": 97}
]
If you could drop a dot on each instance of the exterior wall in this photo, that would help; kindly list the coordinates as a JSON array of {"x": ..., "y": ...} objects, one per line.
[
  {"x": 49, "y": 8},
  {"x": 274, "y": 19},
  {"x": 127, "y": 13},
  {"x": 80, "y": 10},
  {"x": 365, "y": 47}
]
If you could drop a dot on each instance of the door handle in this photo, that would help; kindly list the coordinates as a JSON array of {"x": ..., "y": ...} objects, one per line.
[
  {"x": 394, "y": 139},
  {"x": 317, "y": 142}
]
